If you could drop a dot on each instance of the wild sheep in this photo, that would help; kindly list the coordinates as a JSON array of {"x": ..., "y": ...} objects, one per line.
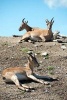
[
  {"x": 40, "y": 34},
  {"x": 15, "y": 74}
]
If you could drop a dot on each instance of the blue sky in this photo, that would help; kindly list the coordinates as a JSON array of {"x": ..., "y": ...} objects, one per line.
[{"x": 35, "y": 11}]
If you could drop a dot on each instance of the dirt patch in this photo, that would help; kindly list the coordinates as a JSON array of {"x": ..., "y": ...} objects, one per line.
[{"x": 13, "y": 54}]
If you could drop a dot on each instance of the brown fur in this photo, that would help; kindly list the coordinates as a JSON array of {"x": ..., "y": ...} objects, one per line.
[
  {"x": 43, "y": 35},
  {"x": 40, "y": 34},
  {"x": 15, "y": 74}
]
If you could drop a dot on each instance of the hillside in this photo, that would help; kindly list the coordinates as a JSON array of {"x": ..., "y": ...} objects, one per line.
[{"x": 53, "y": 65}]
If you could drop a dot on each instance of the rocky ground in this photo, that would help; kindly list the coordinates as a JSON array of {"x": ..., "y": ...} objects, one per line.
[{"x": 53, "y": 65}]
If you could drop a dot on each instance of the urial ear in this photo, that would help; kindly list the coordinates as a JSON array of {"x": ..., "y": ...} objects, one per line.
[
  {"x": 33, "y": 54},
  {"x": 26, "y": 22},
  {"x": 47, "y": 21}
]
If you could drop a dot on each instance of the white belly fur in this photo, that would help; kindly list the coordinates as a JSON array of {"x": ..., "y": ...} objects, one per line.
[{"x": 21, "y": 77}]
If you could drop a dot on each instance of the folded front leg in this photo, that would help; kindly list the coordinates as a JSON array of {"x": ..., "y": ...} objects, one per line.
[{"x": 17, "y": 83}]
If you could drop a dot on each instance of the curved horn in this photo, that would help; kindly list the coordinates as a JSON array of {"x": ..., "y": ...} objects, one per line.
[
  {"x": 23, "y": 20},
  {"x": 52, "y": 19}
]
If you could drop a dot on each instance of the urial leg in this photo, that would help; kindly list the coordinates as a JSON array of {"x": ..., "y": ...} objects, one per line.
[
  {"x": 43, "y": 38},
  {"x": 40, "y": 78},
  {"x": 37, "y": 80},
  {"x": 25, "y": 86},
  {"x": 16, "y": 81},
  {"x": 25, "y": 37}
]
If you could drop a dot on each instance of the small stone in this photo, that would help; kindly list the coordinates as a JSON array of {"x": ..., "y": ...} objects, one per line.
[
  {"x": 55, "y": 40},
  {"x": 35, "y": 54},
  {"x": 46, "y": 91},
  {"x": 36, "y": 45},
  {"x": 63, "y": 47},
  {"x": 41, "y": 62},
  {"x": 44, "y": 53},
  {"x": 12, "y": 57}
]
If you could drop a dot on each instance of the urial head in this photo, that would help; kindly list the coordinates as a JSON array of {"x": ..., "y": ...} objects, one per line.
[
  {"x": 23, "y": 25},
  {"x": 49, "y": 23},
  {"x": 33, "y": 60}
]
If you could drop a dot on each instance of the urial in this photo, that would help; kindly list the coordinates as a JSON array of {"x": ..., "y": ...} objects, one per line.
[
  {"x": 15, "y": 74},
  {"x": 40, "y": 34}
]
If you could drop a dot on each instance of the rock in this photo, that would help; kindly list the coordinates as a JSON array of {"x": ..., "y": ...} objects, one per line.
[
  {"x": 55, "y": 40},
  {"x": 30, "y": 51},
  {"x": 63, "y": 40},
  {"x": 44, "y": 54},
  {"x": 63, "y": 47},
  {"x": 41, "y": 62},
  {"x": 46, "y": 91}
]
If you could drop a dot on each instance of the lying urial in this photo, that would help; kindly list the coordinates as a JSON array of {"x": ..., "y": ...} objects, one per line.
[
  {"x": 15, "y": 74},
  {"x": 40, "y": 34}
]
